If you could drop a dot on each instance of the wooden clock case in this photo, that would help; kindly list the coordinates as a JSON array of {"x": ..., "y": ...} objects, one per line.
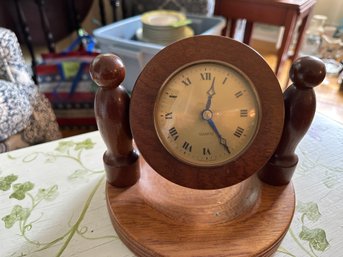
[{"x": 162, "y": 207}]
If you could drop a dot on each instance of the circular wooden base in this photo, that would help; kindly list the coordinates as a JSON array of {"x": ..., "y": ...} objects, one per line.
[{"x": 158, "y": 218}]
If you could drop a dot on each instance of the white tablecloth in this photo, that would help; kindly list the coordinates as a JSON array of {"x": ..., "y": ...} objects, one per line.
[{"x": 52, "y": 200}]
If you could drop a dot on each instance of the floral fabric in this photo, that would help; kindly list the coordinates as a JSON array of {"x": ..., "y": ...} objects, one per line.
[
  {"x": 15, "y": 110},
  {"x": 17, "y": 90},
  {"x": 23, "y": 110}
]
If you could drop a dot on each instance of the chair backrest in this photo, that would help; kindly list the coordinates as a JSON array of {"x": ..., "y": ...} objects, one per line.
[{"x": 40, "y": 23}]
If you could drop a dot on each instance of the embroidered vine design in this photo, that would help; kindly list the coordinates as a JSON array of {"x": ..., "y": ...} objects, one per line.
[
  {"x": 21, "y": 214},
  {"x": 311, "y": 240}
]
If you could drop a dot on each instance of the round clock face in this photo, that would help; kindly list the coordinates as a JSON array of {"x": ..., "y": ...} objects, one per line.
[{"x": 206, "y": 113}]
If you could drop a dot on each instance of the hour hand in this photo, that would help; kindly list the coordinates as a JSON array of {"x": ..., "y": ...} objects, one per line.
[{"x": 210, "y": 93}]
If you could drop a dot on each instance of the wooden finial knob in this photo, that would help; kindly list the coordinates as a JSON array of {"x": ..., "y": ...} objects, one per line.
[
  {"x": 307, "y": 72},
  {"x": 300, "y": 105},
  {"x": 107, "y": 70},
  {"x": 111, "y": 108}
]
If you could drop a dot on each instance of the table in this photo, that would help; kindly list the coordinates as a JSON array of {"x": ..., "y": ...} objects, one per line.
[
  {"x": 53, "y": 202},
  {"x": 286, "y": 13}
]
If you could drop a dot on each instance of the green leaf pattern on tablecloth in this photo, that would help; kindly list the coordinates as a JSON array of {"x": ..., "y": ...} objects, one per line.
[
  {"x": 309, "y": 210},
  {"x": 48, "y": 194},
  {"x": 80, "y": 174},
  {"x": 19, "y": 191},
  {"x": 64, "y": 146},
  {"x": 6, "y": 182},
  {"x": 18, "y": 213},
  {"x": 316, "y": 238},
  {"x": 318, "y": 181},
  {"x": 86, "y": 144},
  {"x": 318, "y": 178}
]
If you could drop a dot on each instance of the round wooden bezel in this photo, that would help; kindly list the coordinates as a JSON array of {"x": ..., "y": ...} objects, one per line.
[{"x": 207, "y": 48}]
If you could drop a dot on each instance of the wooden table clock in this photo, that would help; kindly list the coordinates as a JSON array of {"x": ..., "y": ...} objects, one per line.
[{"x": 207, "y": 116}]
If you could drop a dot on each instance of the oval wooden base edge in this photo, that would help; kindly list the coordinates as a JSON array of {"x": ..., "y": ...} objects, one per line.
[{"x": 147, "y": 231}]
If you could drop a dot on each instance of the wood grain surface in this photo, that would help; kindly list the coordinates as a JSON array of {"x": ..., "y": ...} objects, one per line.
[
  {"x": 157, "y": 207},
  {"x": 300, "y": 106},
  {"x": 158, "y": 218},
  {"x": 111, "y": 107},
  {"x": 186, "y": 52}
]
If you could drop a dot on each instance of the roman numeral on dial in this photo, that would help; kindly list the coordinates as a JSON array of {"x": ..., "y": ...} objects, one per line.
[
  {"x": 238, "y": 94},
  {"x": 187, "y": 146},
  {"x": 173, "y": 133},
  {"x": 243, "y": 113},
  {"x": 239, "y": 132},
  {"x": 205, "y": 76},
  {"x": 171, "y": 95},
  {"x": 206, "y": 151},
  {"x": 168, "y": 116},
  {"x": 186, "y": 82}
]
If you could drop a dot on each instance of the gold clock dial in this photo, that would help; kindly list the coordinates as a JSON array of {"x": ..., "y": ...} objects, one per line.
[{"x": 206, "y": 113}]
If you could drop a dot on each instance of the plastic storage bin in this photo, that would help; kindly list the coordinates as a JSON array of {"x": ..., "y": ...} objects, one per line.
[{"x": 120, "y": 38}]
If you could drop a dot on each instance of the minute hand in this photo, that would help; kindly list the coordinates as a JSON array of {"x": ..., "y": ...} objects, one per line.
[{"x": 221, "y": 139}]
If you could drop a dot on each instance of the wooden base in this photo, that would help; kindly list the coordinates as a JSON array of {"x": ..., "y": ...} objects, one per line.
[{"x": 158, "y": 218}]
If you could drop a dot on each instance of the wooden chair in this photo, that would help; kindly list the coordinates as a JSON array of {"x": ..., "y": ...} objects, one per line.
[{"x": 34, "y": 22}]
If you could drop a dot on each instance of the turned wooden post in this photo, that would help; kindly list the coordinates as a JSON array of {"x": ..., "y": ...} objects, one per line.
[
  {"x": 300, "y": 105},
  {"x": 111, "y": 107}
]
